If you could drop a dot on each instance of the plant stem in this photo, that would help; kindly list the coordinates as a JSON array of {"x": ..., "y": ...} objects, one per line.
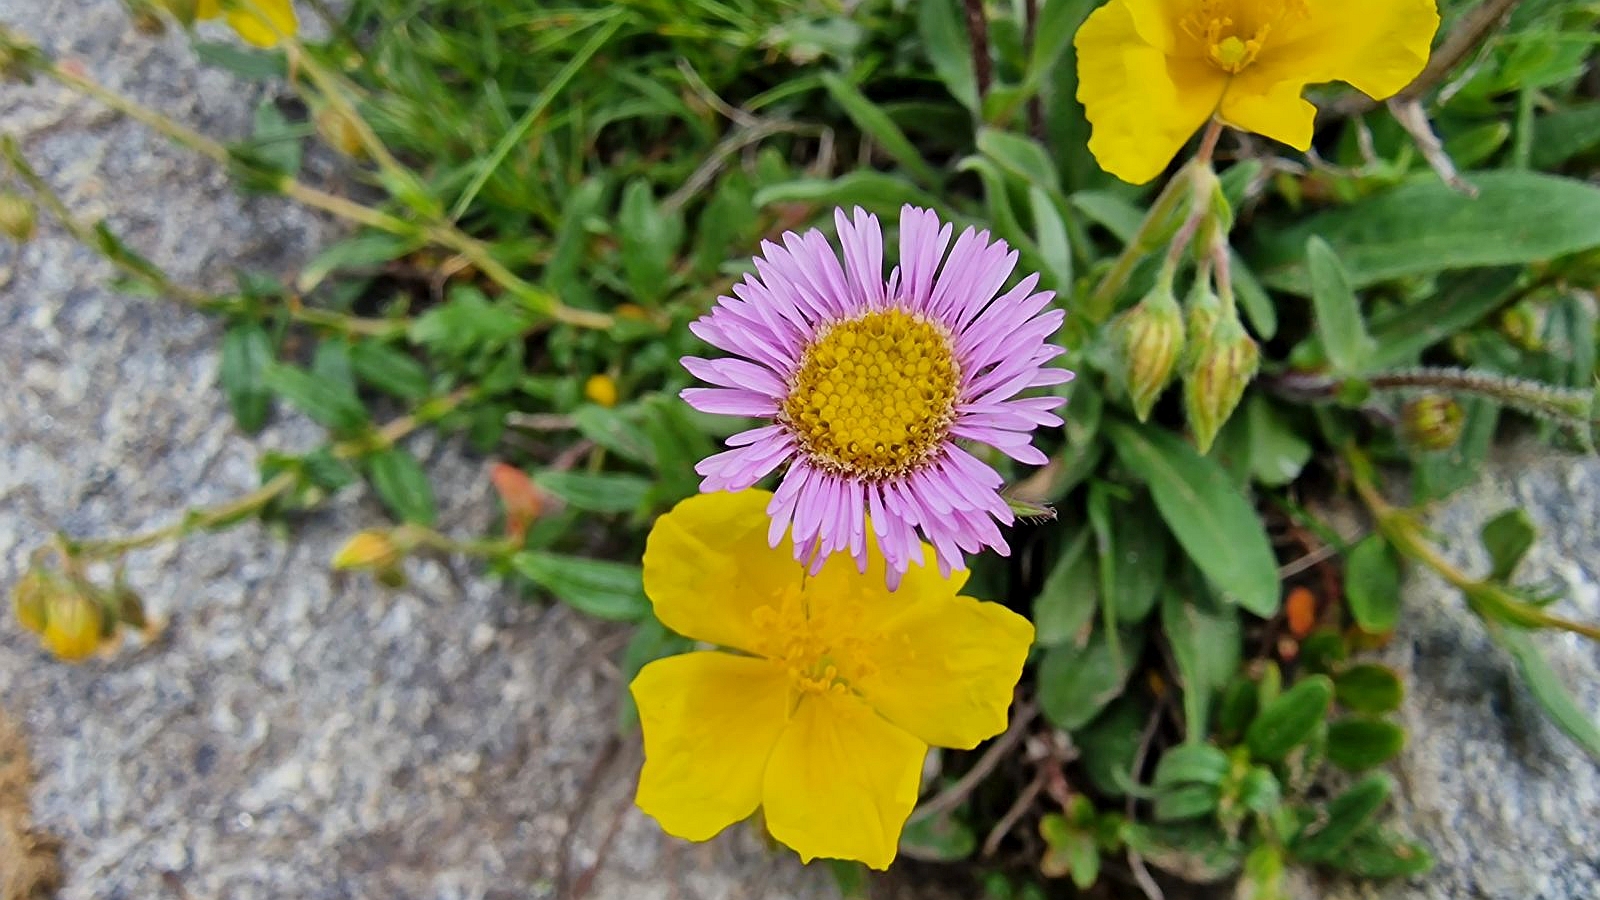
[
  {"x": 1157, "y": 227},
  {"x": 978, "y": 34},
  {"x": 249, "y": 504},
  {"x": 159, "y": 282},
  {"x": 535, "y": 299},
  {"x": 1489, "y": 599}
]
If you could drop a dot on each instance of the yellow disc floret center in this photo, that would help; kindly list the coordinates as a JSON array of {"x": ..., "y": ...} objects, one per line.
[
  {"x": 1231, "y": 33},
  {"x": 874, "y": 396},
  {"x": 820, "y": 644}
]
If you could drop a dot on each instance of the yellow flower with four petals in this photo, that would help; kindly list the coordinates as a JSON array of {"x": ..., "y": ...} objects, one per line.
[
  {"x": 831, "y": 689},
  {"x": 1151, "y": 72}
]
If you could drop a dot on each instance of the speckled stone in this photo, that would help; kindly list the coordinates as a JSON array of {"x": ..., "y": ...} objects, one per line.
[
  {"x": 1508, "y": 804},
  {"x": 295, "y": 734}
]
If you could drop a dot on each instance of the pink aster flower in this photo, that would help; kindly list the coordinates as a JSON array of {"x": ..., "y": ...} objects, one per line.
[{"x": 871, "y": 385}]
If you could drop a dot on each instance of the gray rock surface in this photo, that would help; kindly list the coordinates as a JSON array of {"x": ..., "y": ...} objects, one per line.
[
  {"x": 294, "y": 734},
  {"x": 1508, "y": 804}
]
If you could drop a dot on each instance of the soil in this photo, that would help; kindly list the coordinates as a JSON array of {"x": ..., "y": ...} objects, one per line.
[{"x": 27, "y": 857}]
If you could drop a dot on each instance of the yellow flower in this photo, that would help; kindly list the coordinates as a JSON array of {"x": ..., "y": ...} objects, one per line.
[
  {"x": 257, "y": 21},
  {"x": 835, "y": 688},
  {"x": 74, "y": 626},
  {"x": 1151, "y": 72},
  {"x": 601, "y": 389}
]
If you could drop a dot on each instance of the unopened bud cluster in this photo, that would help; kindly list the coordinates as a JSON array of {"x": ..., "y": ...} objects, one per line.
[{"x": 72, "y": 617}]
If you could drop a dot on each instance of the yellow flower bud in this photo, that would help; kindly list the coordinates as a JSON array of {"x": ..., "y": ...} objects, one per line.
[
  {"x": 18, "y": 218},
  {"x": 368, "y": 550},
  {"x": 601, "y": 389},
  {"x": 30, "y": 599},
  {"x": 1149, "y": 342},
  {"x": 1432, "y": 422},
  {"x": 1221, "y": 366},
  {"x": 340, "y": 133},
  {"x": 1520, "y": 325},
  {"x": 74, "y": 625}
]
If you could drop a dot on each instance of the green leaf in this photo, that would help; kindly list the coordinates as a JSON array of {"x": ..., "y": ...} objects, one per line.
[
  {"x": 1197, "y": 852},
  {"x": 1187, "y": 801},
  {"x": 1215, "y": 524},
  {"x": 1278, "y": 451},
  {"x": 1377, "y": 852},
  {"x": 942, "y": 838},
  {"x": 1139, "y": 550},
  {"x": 1253, "y": 299},
  {"x": 1021, "y": 158},
  {"x": 1050, "y": 235},
  {"x": 615, "y": 430},
  {"x": 1565, "y": 133},
  {"x": 246, "y": 351},
  {"x": 601, "y": 493},
  {"x": 1344, "y": 816},
  {"x": 649, "y": 239},
  {"x": 274, "y": 139},
  {"x": 1076, "y": 683},
  {"x": 1069, "y": 850},
  {"x": 389, "y": 369},
  {"x": 1191, "y": 763},
  {"x": 1372, "y": 584},
  {"x": 600, "y": 588},
  {"x": 1507, "y": 537},
  {"x": 1424, "y": 226},
  {"x": 1368, "y": 688},
  {"x": 1204, "y": 637},
  {"x": 366, "y": 250},
  {"x": 1357, "y": 744},
  {"x": 874, "y": 122},
  {"x": 252, "y": 64},
  {"x": 1289, "y": 719},
  {"x": 468, "y": 324},
  {"x": 1339, "y": 325},
  {"x": 1460, "y": 302},
  {"x": 402, "y": 485},
  {"x": 877, "y": 192},
  {"x": 943, "y": 30},
  {"x": 1069, "y": 596},
  {"x": 1547, "y": 688},
  {"x": 326, "y": 403},
  {"x": 1109, "y": 743}
]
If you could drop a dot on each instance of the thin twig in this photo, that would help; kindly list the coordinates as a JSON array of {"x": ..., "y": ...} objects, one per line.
[
  {"x": 991, "y": 844},
  {"x": 957, "y": 793},
  {"x": 1136, "y": 862},
  {"x": 1030, "y": 13},
  {"x": 1414, "y": 120},
  {"x": 978, "y": 33}
]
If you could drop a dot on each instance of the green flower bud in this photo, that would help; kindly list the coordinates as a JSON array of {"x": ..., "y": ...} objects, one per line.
[
  {"x": 1149, "y": 342},
  {"x": 1520, "y": 325},
  {"x": 1222, "y": 364},
  {"x": 1432, "y": 422},
  {"x": 18, "y": 218}
]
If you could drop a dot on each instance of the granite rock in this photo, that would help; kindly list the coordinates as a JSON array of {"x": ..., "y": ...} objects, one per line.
[
  {"x": 294, "y": 734},
  {"x": 1507, "y": 803}
]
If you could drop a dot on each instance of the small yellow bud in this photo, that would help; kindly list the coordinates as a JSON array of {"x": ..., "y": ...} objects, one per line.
[
  {"x": 18, "y": 218},
  {"x": 30, "y": 600},
  {"x": 74, "y": 625},
  {"x": 1432, "y": 422},
  {"x": 340, "y": 133},
  {"x": 1149, "y": 342},
  {"x": 1520, "y": 325},
  {"x": 601, "y": 389},
  {"x": 368, "y": 550},
  {"x": 1221, "y": 366}
]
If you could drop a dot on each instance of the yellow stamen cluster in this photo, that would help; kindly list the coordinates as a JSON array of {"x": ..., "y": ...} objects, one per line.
[
  {"x": 874, "y": 396},
  {"x": 1233, "y": 31},
  {"x": 820, "y": 645}
]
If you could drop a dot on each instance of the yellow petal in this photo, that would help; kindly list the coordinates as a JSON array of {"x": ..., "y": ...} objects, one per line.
[
  {"x": 207, "y": 9},
  {"x": 864, "y": 597},
  {"x": 710, "y": 721},
  {"x": 1277, "y": 111},
  {"x": 251, "y": 22},
  {"x": 707, "y": 568},
  {"x": 946, "y": 669},
  {"x": 841, "y": 781},
  {"x": 1377, "y": 46},
  {"x": 1143, "y": 104}
]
